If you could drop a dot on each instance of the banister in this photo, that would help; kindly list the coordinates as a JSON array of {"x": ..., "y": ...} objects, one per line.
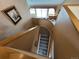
[{"x": 16, "y": 36}]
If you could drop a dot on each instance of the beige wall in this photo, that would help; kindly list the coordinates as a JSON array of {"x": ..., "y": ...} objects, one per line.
[
  {"x": 25, "y": 42},
  {"x": 42, "y": 22},
  {"x": 72, "y": 1},
  {"x": 6, "y": 24},
  {"x": 66, "y": 38}
]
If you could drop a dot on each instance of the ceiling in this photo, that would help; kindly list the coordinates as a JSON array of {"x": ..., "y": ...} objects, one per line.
[
  {"x": 49, "y": 2},
  {"x": 44, "y": 2}
]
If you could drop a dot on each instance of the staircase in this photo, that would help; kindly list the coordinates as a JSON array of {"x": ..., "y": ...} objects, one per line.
[{"x": 43, "y": 42}]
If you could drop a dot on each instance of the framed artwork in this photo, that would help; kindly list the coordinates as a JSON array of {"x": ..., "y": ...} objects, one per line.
[{"x": 12, "y": 14}]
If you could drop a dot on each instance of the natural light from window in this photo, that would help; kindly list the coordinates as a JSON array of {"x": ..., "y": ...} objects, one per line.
[
  {"x": 38, "y": 13},
  {"x": 51, "y": 12},
  {"x": 32, "y": 11},
  {"x": 42, "y": 12}
]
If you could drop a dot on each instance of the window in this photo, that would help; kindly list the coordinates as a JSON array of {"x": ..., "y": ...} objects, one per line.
[
  {"x": 51, "y": 12},
  {"x": 38, "y": 13},
  {"x": 42, "y": 12},
  {"x": 32, "y": 11}
]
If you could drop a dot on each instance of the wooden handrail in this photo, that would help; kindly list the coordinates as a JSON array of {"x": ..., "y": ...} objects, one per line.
[
  {"x": 73, "y": 17},
  {"x": 16, "y": 36}
]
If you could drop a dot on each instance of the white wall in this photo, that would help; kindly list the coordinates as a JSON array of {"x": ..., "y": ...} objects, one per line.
[{"x": 6, "y": 24}]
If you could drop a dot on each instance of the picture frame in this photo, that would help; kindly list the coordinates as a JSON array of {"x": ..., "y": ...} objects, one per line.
[{"x": 12, "y": 14}]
